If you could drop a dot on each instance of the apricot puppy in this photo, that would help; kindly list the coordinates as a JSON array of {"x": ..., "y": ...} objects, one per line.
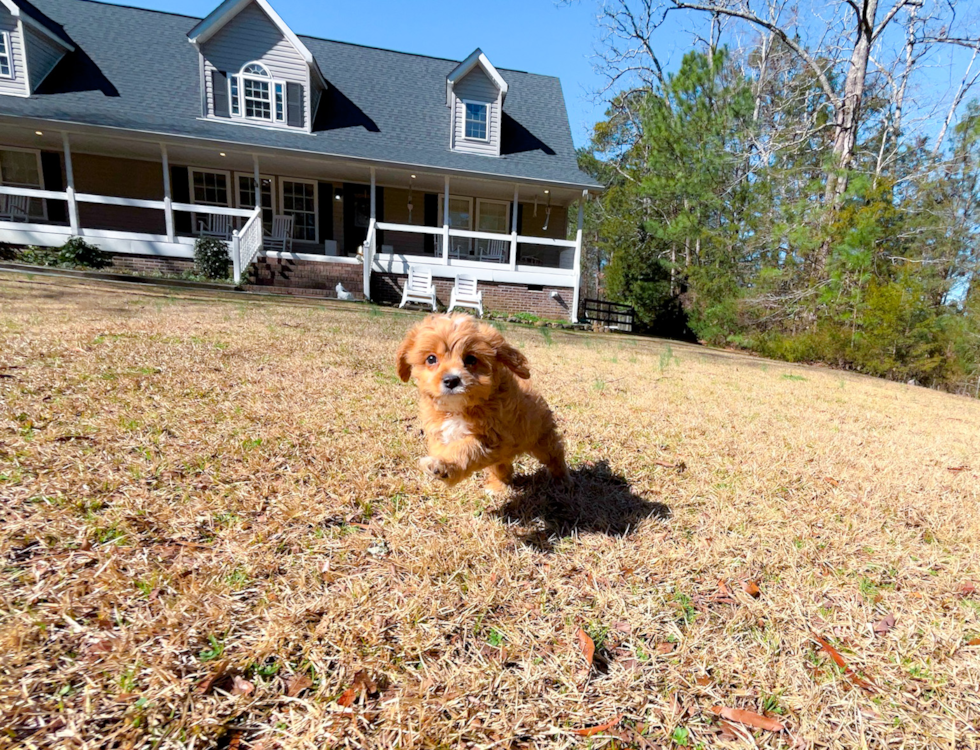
[{"x": 477, "y": 406}]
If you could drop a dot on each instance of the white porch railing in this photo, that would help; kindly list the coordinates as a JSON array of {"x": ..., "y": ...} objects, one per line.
[
  {"x": 368, "y": 253},
  {"x": 446, "y": 265},
  {"x": 40, "y": 227},
  {"x": 246, "y": 244}
]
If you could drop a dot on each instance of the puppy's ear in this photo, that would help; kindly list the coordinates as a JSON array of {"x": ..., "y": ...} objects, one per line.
[
  {"x": 401, "y": 358},
  {"x": 513, "y": 360}
]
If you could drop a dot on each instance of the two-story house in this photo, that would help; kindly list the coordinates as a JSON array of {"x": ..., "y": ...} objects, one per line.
[{"x": 139, "y": 130}]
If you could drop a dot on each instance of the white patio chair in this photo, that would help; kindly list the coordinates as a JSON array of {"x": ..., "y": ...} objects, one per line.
[
  {"x": 419, "y": 288},
  {"x": 216, "y": 225},
  {"x": 495, "y": 252},
  {"x": 281, "y": 237},
  {"x": 13, "y": 208},
  {"x": 466, "y": 294}
]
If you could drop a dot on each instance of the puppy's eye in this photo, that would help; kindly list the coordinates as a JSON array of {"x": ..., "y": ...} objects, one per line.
[
  {"x": 469, "y": 360},
  {"x": 431, "y": 359}
]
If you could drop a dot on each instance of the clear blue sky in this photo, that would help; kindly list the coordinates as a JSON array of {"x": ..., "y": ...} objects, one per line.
[
  {"x": 539, "y": 36},
  {"x": 532, "y": 35}
]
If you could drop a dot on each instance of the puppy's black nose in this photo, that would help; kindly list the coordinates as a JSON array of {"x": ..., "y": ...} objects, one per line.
[{"x": 451, "y": 381}]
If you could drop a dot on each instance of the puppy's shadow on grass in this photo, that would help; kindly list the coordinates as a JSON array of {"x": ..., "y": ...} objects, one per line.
[{"x": 596, "y": 500}]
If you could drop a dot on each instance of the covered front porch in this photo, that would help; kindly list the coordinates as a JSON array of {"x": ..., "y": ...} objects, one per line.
[{"x": 152, "y": 197}]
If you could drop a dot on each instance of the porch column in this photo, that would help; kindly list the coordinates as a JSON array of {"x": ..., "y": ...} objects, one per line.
[
  {"x": 445, "y": 223},
  {"x": 168, "y": 211},
  {"x": 577, "y": 265},
  {"x": 373, "y": 198},
  {"x": 72, "y": 203},
  {"x": 513, "y": 230}
]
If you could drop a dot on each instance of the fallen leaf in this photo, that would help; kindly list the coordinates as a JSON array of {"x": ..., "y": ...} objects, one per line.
[
  {"x": 703, "y": 681},
  {"x": 241, "y": 686},
  {"x": 665, "y": 648},
  {"x": 861, "y": 682},
  {"x": 957, "y": 468},
  {"x": 348, "y": 697},
  {"x": 833, "y": 652},
  {"x": 599, "y": 728},
  {"x": 751, "y": 588},
  {"x": 750, "y": 718},
  {"x": 968, "y": 589},
  {"x": 218, "y": 674},
  {"x": 831, "y": 481},
  {"x": 974, "y": 642},
  {"x": 586, "y": 645},
  {"x": 623, "y": 627},
  {"x": 885, "y": 624},
  {"x": 235, "y": 739},
  {"x": 853, "y": 676},
  {"x": 297, "y": 684}
]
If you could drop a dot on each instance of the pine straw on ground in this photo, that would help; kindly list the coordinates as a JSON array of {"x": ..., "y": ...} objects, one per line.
[{"x": 214, "y": 534}]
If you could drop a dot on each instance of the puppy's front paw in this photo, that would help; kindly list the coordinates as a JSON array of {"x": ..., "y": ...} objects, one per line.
[{"x": 439, "y": 469}]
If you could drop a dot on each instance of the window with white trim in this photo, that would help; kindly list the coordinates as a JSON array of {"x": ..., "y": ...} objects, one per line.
[
  {"x": 22, "y": 168},
  {"x": 6, "y": 61},
  {"x": 475, "y": 125},
  {"x": 255, "y": 95},
  {"x": 298, "y": 199},
  {"x": 209, "y": 188},
  {"x": 233, "y": 86}
]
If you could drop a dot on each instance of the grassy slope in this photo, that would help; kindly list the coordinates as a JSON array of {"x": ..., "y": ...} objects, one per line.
[{"x": 200, "y": 486}]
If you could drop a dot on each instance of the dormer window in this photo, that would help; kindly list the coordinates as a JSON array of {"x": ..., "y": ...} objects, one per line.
[
  {"x": 475, "y": 93},
  {"x": 6, "y": 66},
  {"x": 476, "y": 121},
  {"x": 254, "y": 93}
]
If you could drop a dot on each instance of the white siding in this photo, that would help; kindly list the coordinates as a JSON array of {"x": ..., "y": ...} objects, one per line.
[
  {"x": 17, "y": 84},
  {"x": 251, "y": 36},
  {"x": 42, "y": 55},
  {"x": 476, "y": 87}
]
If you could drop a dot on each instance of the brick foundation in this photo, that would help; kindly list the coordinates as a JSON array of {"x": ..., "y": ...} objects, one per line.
[
  {"x": 498, "y": 298},
  {"x": 288, "y": 276},
  {"x": 310, "y": 276},
  {"x": 150, "y": 264}
]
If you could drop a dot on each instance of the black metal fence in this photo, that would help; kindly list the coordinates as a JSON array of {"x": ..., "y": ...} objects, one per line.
[{"x": 612, "y": 315}]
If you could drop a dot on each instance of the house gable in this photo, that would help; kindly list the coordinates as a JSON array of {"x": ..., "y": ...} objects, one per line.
[
  {"x": 32, "y": 44},
  {"x": 42, "y": 55},
  {"x": 243, "y": 33},
  {"x": 15, "y": 82},
  {"x": 475, "y": 91}
]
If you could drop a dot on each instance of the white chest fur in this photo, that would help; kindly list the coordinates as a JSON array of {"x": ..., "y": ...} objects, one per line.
[{"x": 454, "y": 428}]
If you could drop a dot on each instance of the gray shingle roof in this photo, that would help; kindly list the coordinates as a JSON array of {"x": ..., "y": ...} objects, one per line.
[{"x": 135, "y": 69}]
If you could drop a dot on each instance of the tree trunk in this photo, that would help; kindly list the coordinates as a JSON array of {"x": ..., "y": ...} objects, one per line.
[{"x": 846, "y": 115}]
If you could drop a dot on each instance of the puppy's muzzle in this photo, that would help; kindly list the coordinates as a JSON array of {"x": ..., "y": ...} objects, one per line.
[{"x": 452, "y": 384}]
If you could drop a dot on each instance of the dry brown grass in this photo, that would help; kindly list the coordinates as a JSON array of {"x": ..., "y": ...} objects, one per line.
[{"x": 201, "y": 487}]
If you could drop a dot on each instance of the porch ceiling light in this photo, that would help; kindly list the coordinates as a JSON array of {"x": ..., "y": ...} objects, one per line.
[
  {"x": 221, "y": 153},
  {"x": 38, "y": 132}
]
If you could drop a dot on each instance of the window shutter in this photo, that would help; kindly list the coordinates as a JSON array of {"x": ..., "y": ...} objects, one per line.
[
  {"x": 430, "y": 207},
  {"x": 325, "y": 207},
  {"x": 219, "y": 93},
  {"x": 295, "y": 106},
  {"x": 180, "y": 191},
  {"x": 53, "y": 180}
]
